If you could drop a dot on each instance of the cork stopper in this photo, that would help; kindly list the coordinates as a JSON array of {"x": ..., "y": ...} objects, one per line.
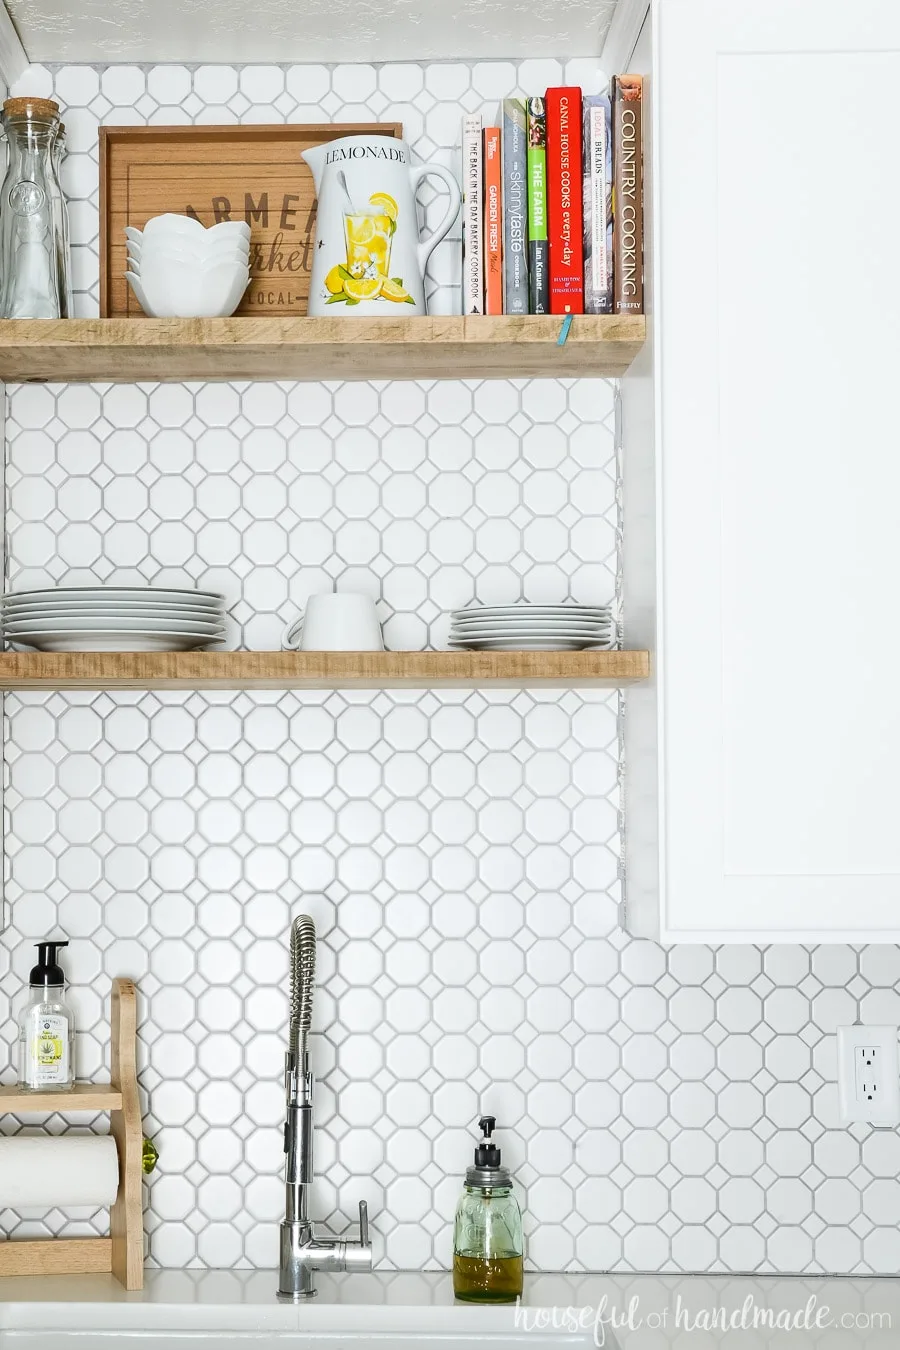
[{"x": 30, "y": 107}]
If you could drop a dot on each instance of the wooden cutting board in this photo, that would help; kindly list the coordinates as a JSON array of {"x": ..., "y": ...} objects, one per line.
[{"x": 213, "y": 173}]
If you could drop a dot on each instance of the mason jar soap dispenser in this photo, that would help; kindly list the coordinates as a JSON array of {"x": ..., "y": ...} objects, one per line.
[
  {"x": 488, "y": 1248},
  {"x": 47, "y": 1027}
]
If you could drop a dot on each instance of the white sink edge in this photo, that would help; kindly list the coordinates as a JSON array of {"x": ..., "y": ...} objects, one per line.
[
  {"x": 242, "y": 1302},
  {"x": 310, "y": 1317}
]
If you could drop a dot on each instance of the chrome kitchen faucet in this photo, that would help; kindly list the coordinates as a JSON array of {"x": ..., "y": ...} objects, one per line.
[{"x": 302, "y": 1252}]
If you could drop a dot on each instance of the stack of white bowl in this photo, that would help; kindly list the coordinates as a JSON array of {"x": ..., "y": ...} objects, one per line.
[
  {"x": 178, "y": 268},
  {"x": 113, "y": 619}
]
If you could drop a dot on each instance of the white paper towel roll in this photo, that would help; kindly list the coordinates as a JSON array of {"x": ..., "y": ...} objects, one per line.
[{"x": 45, "y": 1171}]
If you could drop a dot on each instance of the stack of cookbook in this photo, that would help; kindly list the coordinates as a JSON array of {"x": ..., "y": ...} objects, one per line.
[{"x": 553, "y": 204}]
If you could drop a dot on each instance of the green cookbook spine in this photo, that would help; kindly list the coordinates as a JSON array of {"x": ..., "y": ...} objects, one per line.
[{"x": 538, "y": 246}]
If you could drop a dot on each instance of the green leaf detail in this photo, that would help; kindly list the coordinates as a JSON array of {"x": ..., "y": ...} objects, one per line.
[
  {"x": 409, "y": 300},
  {"x": 336, "y": 299},
  {"x": 352, "y": 302},
  {"x": 342, "y": 271},
  {"x": 397, "y": 281}
]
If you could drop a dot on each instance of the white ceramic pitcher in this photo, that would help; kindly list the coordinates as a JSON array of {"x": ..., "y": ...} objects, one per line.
[{"x": 368, "y": 259}]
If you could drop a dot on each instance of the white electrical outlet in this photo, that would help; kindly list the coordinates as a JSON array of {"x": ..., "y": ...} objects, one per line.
[{"x": 868, "y": 1075}]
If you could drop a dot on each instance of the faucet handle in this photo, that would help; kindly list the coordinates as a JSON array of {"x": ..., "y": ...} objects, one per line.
[{"x": 356, "y": 1255}]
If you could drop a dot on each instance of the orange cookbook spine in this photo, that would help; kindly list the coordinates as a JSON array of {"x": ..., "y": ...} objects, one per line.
[{"x": 493, "y": 223}]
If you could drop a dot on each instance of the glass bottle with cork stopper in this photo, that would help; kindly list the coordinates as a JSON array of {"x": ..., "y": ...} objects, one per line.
[
  {"x": 488, "y": 1246},
  {"x": 34, "y": 261}
]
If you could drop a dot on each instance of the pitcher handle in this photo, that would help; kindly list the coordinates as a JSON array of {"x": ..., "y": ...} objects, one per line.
[{"x": 424, "y": 250}]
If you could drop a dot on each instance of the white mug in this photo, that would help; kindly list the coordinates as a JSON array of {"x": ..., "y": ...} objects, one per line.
[{"x": 335, "y": 621}]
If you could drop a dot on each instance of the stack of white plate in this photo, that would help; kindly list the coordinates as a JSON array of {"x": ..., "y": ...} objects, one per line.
[
  {"x": 113, "y": 619},
  {"x": 533, "y": 628}
]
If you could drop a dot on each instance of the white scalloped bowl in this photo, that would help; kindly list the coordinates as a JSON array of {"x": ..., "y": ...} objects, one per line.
[
  {"x": 173, "y": 227},
  {"x": 155, "y": 260},
  {"x": 185, "y": 293}
]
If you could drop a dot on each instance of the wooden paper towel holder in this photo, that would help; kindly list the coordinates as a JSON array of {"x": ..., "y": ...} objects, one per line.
[{"x": 122, "y": 1252}]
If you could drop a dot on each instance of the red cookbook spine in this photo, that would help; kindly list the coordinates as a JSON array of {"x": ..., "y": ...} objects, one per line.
[
  {"x": 564, "y": 201},
  {"x": 493, "y": 223}
]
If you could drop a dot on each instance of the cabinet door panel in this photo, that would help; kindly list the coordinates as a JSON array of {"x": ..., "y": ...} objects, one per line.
[{"x": 780, "y": 469}]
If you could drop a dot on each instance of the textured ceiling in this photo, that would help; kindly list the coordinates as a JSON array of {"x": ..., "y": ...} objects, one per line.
[{"x": 308, "y": 30}]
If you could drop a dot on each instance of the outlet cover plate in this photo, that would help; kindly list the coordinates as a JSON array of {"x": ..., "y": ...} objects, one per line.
[{"x": 868, "y": 1074}]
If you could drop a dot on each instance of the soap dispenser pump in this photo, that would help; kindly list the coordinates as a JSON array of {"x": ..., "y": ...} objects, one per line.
[
  {"x": 47, "y": 1026},
  {"x": 488, "y": 1247}
]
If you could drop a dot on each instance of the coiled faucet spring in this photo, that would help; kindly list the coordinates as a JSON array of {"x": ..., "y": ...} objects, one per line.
[{"x": 303, "y": 975}]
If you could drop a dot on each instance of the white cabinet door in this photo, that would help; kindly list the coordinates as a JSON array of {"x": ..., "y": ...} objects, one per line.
[{"x": 777, "y": 127}]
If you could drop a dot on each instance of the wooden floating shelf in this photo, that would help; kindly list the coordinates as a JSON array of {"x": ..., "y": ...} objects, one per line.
[
  {"x": 129, "y": 350},
  {"x": 319, "y": 670},
  {"x": 82, "y": 1097}
]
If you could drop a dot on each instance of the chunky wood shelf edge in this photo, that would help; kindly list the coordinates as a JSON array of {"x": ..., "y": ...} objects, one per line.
[
  {"x": 502, "y": 347},
  {"x": 318, "y": 670},
  {"x": 82, "y": 1097}
]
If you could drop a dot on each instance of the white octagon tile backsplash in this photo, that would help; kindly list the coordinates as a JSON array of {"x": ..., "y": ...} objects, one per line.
[
  {"x": 459, "y": 851},
  {"x": 423, "y": 496}
]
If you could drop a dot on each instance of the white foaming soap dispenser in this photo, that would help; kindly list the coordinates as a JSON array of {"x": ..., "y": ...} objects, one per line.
[{"x": 47, "y": 1027}]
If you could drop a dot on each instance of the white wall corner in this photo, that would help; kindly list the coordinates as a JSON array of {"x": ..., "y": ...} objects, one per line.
[
  {"x": 13, "y": 60},
  {"x": 627, "y": 22}
]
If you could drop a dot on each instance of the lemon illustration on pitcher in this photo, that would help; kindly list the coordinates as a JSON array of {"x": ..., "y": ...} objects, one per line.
[
  {"x": 366, "y": 275},
  {"x": 368, "y": 256}
]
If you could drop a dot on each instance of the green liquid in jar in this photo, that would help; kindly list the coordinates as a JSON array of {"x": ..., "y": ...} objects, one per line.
[{"x": 496, "y": 1279}]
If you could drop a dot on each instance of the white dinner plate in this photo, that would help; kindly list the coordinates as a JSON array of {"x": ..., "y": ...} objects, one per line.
[
  {"x": 529, "y": 605},
  {"x": 105, "y": 598},
  {"x": 528, "y": 617},
  {"x": 569, "y": 635},
  {"x": 87, "y": 609},
  {"x": 523, "y": 611},
  {"x": 584, "y": 639},
  {"x": 103, "y": 641},
  {"x": 532, "y": 621},
  {"x": 524, "y": 622},
  {"x": 95, "y": 623},
  {"x": 532, "y": 630},
  {"x": 539, "y": 625},
  {"x": 531, "y": 645},
  {"x": 166, "y": 596}
]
